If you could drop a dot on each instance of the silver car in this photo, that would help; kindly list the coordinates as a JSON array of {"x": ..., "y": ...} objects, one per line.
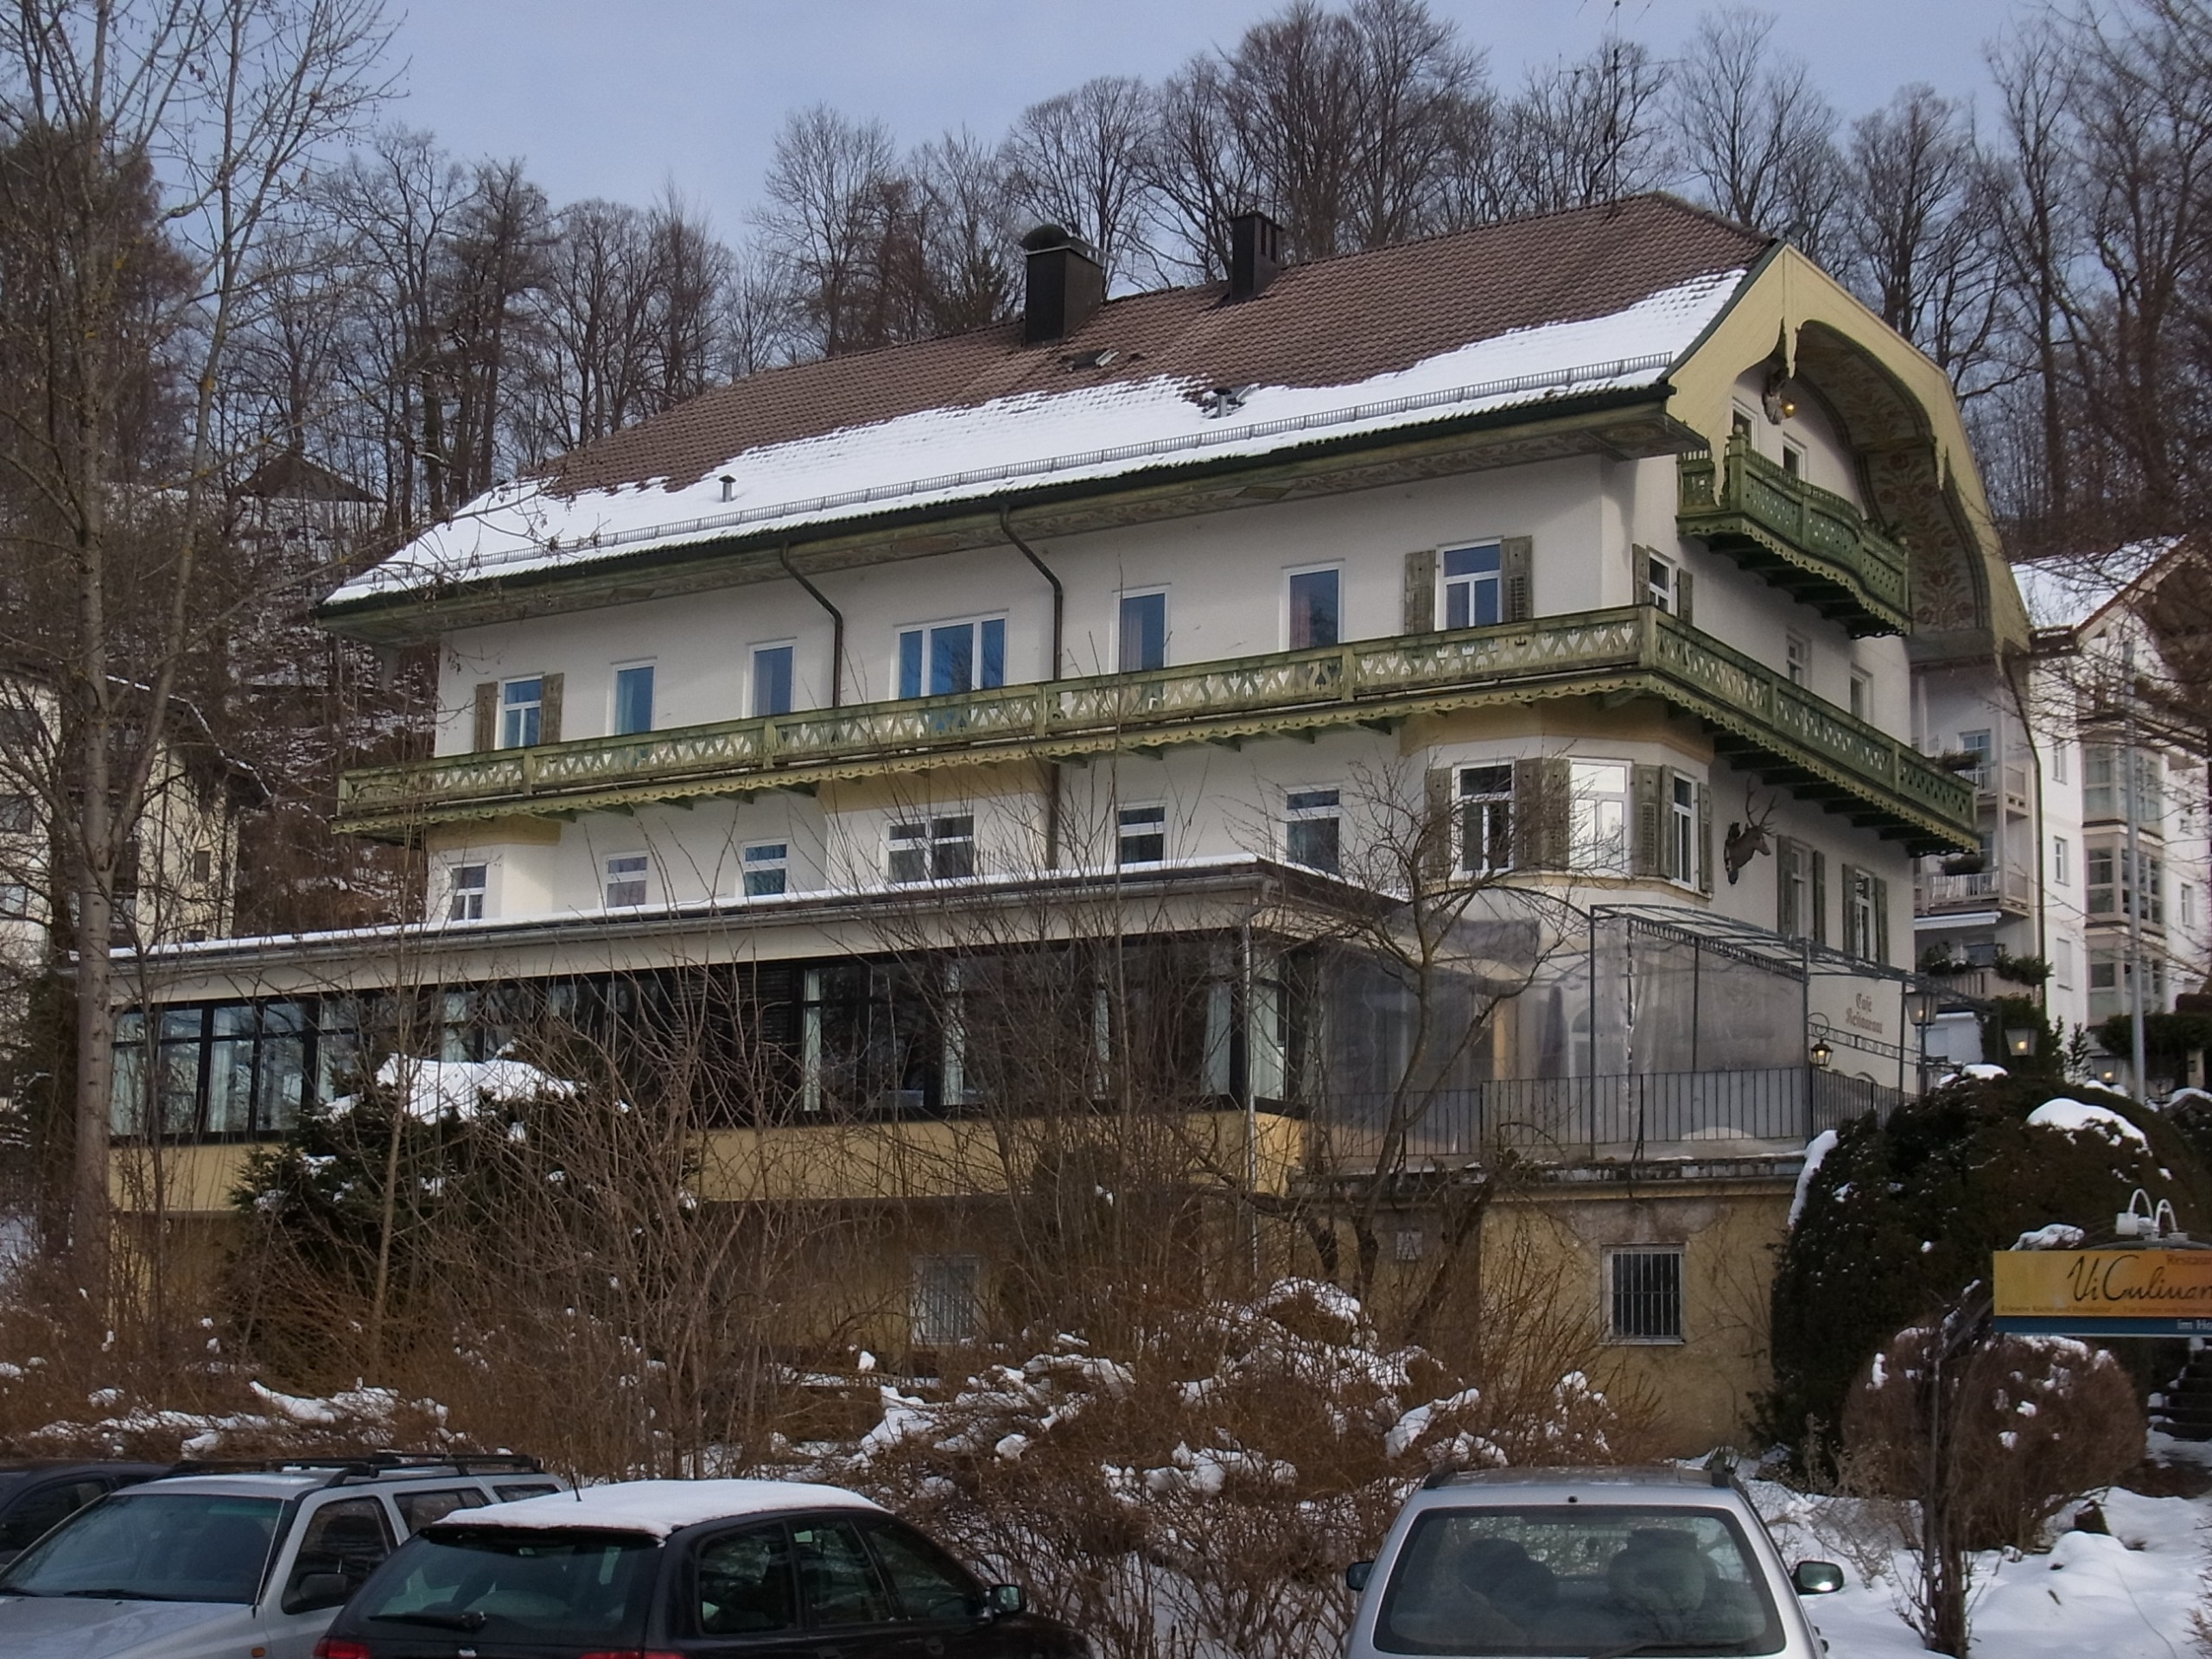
[
  {"x": 224, "y": 1566},
  {"x": 1598, "y": 1563}
]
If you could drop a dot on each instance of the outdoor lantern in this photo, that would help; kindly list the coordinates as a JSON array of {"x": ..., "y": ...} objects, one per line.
[
  {"x": 1821, "y": 1053},
  {"x": 1923, "y": 1005},
  {"x": 2020, "y": 1040}
]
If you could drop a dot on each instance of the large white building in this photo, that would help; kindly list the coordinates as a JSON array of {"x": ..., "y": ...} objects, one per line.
[
  {"x": 1599, "y": 549},
  {"x": 2049, "y": 747}
]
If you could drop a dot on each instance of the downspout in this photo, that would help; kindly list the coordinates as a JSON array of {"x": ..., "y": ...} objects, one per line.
[
  {"x": 837, "y": 627},
  {"x": 1060, "y": 622},
  {"x": 2037, "y": 841}
]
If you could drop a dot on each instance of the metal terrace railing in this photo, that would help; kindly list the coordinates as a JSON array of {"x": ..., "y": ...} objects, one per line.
[
  {"x": 1797, "y": 535},
  {"x": 1797, "y": 739},
  {"x": 1671, "y": 1114}
]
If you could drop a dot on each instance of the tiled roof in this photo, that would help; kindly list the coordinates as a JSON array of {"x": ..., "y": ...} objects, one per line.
[{"x": 1332, "y": 322}]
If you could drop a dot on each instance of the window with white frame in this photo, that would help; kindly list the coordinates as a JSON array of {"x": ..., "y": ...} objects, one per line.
[
  {"x": 2062, "y": 964},
  {"x": 2062, "y": 862},
  {"x": 932, "y": 849},
  {"x": 766, "y": 867},
  {"x": 1793, "y": 460},
  {"x": 945, "y": 657},
  {"x": 1659, "y": 575},
  {"x": 1981, "y": 746},
  {"x": 1474, "y": 592},
  {"x": 1862, "y": 695},
  {"x": 1313, "y": 831},
  {"x": 1316, "y": 599},
  {"x": 2185, "y": 900},
  {"x": 14, "y": 902},
  {"x": 522, "y": 711},
  {"x": 2059, "y": 765},
  {"x": 2100, "y": 873},
  {"x": 627, "y": 874},
  {"x": 1684, "y": 846},
  {"x": 771, "y": 680},
  {"x": 1485, "y": 819},
  {"x": 466, "y": 901},
  {"x": 1143, "y": 625},
  {"x": 633, "y": 699},
  {"x": 1798, "y": 658},
  {"x": 944, "y": 1305},
  {"x": 1645, "y": 1293},
  {"x": 1598, "y": 822},
  {"x": 1142, "y": 835}
]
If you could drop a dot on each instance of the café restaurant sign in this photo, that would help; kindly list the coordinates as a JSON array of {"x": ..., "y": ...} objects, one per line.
[{"x": 2120, "y": 1293}]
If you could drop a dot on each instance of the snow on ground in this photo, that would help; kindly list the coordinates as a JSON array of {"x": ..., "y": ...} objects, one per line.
[
  {"x": 963, "y": 451},
  {"x": 2074, "y": 1117},
  {"x": 2128, "y": 1595}
]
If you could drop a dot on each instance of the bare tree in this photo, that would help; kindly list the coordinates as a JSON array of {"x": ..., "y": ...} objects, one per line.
[
  {"x": 823, "y": 224},
  {"x": 1754, "y": 133},
  {"x": 1579, "y": 134},
  {"x": 968, "y": 232},
  {"x": 1922, "y": 228},
  {"x": 210, "y": 108},
  {"x": 1080, "y": 160}
]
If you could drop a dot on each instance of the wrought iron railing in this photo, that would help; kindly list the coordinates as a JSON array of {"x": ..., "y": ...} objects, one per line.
[
  {"x": 1763, "y": 514},
  {"x": 1673, "y": 1114},
  {"x": 1633, "y": 648}
]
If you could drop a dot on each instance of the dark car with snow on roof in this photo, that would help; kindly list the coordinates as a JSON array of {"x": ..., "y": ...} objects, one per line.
[{"x": 689, "y": 1569}]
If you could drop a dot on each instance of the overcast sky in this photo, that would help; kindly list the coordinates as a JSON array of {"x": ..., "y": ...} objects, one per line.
[{"x": 614, "y": 97}]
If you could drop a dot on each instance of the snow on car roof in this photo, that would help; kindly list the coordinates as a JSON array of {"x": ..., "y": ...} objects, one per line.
[{"x": 661, "y": 1507}]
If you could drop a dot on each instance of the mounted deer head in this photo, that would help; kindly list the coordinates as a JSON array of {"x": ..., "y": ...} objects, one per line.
[{"x": 1745, "y": 841}]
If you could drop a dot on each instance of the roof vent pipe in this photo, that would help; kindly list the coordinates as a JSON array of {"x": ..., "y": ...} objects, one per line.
[
  {"x": 1065, "y": 285},
  {"x": 1254, "y": 255}
]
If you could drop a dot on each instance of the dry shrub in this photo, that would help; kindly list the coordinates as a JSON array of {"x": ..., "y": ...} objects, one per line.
[
  {"x": 2034, "y": 1424},
  {"x": 1200, "y": 1487}
]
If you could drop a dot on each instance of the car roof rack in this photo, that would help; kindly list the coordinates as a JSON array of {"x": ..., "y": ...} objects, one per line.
[{"x": 341, "y": 1468}]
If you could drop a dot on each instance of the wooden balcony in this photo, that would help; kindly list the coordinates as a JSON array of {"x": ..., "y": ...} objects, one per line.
[
  {"x": 1779, "y": 731},
  {"x": 1807, "y": 541}
]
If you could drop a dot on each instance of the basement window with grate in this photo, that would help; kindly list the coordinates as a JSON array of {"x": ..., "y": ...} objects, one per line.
[{"x": 1645, "y": 1294}]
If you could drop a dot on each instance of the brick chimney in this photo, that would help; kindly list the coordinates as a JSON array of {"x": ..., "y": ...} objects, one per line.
[
  {"x": 1067, "y": 285},
  {"x": 1254, "y": 255}
]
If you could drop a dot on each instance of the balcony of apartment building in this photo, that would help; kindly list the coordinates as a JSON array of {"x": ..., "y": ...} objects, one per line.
[
  {"x": 1810, "y": 543},
  {"x": 2004, "y": 886},
  {"x": 1760, "y": 720}
]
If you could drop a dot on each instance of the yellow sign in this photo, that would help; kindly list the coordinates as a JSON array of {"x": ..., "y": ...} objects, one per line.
[{"x": 2103, "y": 1293}]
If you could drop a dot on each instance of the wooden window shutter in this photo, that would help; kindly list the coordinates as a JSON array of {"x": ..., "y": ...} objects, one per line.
[
  {"x": 1819, "y": 896},
  {"x": 1542, "y": 796},
  {"x": 1882, "y": 920},
  {"x": 1437, "y": 836},
  {"x": 1517, "y": 577},
  {"x": 488, "y": 716},
  {"x": 1639, "y": 576},
  {"x": 1683, "y": 589},
  {"x": 1705, "y": 840},
  {"x": 1786, "y": 855},
  {"x": 549, "y": 713},
  {"x": 1421, "y": 590},
  {"x": 1648, "y": 847}
]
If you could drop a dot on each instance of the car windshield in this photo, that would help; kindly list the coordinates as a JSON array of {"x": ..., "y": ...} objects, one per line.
[
  {"x": 153, "y": 1547},
  {"x": 518, "y": 1584},
  {"x": 1577, "y": 1579}
]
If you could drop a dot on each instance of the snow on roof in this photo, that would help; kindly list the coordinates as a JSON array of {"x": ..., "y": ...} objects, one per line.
[
  {"x": 2076, "y": 1117},
  {"x": 661, "y": 1507},
  {"x": 2065, "y": 593},
  {"x": 954, "y": 452}
]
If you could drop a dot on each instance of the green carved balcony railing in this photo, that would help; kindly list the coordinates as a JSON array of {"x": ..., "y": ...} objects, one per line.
[
  {"x": 1777, "y": 730},
  {"x": 1806, "y": 540}
]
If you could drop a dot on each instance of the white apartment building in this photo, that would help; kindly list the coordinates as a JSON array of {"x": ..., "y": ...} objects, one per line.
[
  {"x": 1610, "y": 540},
  {"x": 2050, "y": 769}
]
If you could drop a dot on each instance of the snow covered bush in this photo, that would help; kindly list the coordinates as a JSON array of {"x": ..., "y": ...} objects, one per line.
[
  {"x": 2033, "y": 1424},
  {"x": 1902, "y": 1215},
  {"x": 1200, "y": 1489}
]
